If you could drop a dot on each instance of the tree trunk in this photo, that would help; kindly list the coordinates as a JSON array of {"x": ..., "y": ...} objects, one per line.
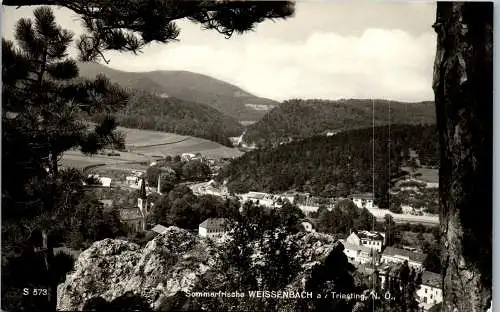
[{"x": 463, "y": 86}]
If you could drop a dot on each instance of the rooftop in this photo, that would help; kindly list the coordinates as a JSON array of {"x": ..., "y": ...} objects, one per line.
[
  {"x": 413, "y": 256},
  {"x": 359, "y": 248},
  {"x": 431, "y": 279},
  {"x": 132, "y": 213},
  {"x": 214, "y": 223},
  {"x": 362, "y": 196},
  {"x": 370, "y": 235},
  {"x": 159, "y": 229},
  {"x": 257, "y": 195}
]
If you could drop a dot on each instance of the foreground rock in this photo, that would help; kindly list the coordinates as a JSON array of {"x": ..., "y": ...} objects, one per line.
[
  {"x": 171, "y": 262},
  {"x": 110, "y": 268}
]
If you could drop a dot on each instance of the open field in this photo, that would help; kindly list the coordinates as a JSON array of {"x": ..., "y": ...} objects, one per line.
[
  {"x": 138, "y": 137},
  {"x": 404, "y": 218},
  {"x": 428, "y": 175},
  {"x": 145, "y": 145},
  {"x": 190, "y": 145},
  {"x": 425, "y": 174}
]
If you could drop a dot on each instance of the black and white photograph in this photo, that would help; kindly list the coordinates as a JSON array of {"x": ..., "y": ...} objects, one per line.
[{"x": 219, "y": 155}]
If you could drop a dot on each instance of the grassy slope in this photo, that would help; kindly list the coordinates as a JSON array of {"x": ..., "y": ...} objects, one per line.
[{"x": 139, "y": 142}]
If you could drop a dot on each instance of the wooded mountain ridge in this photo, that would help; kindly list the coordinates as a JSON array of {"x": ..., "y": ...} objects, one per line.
[
  {"x": 299, "y": 118},
  {"x": 336, "y": 166}
]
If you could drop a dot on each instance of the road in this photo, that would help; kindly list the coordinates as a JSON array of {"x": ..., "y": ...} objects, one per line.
[{"x": 404, "y": 218}]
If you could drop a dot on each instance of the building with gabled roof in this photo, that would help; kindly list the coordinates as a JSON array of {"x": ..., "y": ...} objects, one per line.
[
  {"x": 397, "y": 255},
  {"x": 370, "y": 239},
  {"x": 359, "y": 254},
  {"x": 430, "y": 292},
  {"x": 213, "y": 227},
  {"x": 363, "y": 200}
]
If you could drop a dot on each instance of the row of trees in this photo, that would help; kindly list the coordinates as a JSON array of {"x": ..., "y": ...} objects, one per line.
[{"x": 175, "y": 171}]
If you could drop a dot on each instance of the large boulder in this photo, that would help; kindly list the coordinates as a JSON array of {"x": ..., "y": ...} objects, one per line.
[{"x": 112, "y": 268}]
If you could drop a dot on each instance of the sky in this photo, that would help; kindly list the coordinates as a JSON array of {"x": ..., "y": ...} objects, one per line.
[{"x": 355, "y": 49}]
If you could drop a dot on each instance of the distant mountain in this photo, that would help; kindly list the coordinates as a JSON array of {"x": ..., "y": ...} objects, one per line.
[
  {"x": 305, "y": 118},
  {"x": 148, "y": 111},
  {"x": 226, "y": 98}
]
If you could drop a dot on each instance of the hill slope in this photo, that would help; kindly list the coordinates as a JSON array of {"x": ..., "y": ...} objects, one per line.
[
  {"x": 147, "y": 111},
  {"x": 189, "y": 86},
  {"x": 335, "y": 166},
  {"x": 306, "y": 118}
]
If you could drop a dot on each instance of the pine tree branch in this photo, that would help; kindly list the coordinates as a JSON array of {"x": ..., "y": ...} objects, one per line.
[{"x": 139, "y": 24}]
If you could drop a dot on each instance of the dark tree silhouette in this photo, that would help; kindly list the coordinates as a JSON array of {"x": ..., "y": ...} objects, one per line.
[
  {"x": 41, "y": 99},
  {"x": 463, "y": 86}
]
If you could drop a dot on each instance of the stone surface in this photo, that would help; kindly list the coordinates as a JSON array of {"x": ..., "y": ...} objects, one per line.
[{"x": 169, "y": 263}]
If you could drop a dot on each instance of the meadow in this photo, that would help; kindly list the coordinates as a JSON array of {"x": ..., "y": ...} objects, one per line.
[{"x": 143, "y": 146}]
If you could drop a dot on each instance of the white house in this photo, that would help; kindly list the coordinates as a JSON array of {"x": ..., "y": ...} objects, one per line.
[
  {"x": 213, "y": 228},
  {"x": 370, "y": 239},
  {"x": 363, "y": 201},
  {"x": 105, "y": 181},
  {"x": 430, "y": 292},
  {"x": 397, "y": 255},
  {"x": 408, "y": 209},
  {"x": 308, "y": 209},
  {"x": 359, "y": 254},
  {"x": 263, "y": 199},
  {"x": 432, "y": 184},
  {"x": 187, "y": 156}
]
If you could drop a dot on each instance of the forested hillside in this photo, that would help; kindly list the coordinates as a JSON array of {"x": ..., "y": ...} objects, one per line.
[
  {"x": 147, "y": 111},
  {"x": 306, "y": 118},
  {"x": 337, "y": 165}
]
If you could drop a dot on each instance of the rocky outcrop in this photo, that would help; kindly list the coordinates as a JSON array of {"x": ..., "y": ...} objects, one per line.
[
  {"x": 110, "y": 268},
  {"x": 169, "y": 263}
]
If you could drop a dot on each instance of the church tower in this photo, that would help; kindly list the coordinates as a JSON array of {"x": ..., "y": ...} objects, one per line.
[
  {"x": 159, "y": 184},
  {"x": 142, "y": 201}
]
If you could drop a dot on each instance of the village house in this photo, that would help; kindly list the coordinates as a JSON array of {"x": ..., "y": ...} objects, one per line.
[
  {"x": 307, "y": 210},
  {"x": 213, "y": 228},
  {"x": 190, "y": 156},
  {"x": 135, "y": 180},
  {"x": 397, "y": 255},
  {"x": 263, "y": 199},
  {"x": 104, "y": 181},
  {"x": 359, "y": 254},
  {"x": 187, "y": 156},
  {"x": 363, "y": 201},
  {"x": 430, "y": 292},
  {"x": 408, "y": 209},
  {"x": 373, "y": 240}
]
